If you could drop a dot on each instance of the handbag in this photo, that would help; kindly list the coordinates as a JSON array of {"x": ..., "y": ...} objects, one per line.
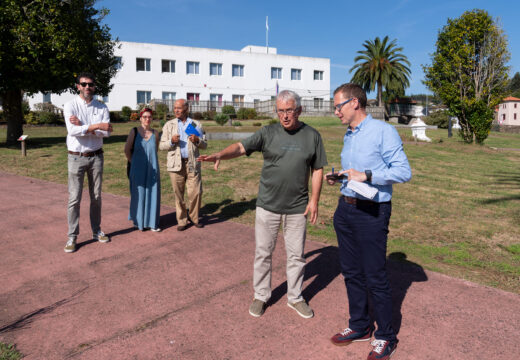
[{"x": 129, "y": 164}]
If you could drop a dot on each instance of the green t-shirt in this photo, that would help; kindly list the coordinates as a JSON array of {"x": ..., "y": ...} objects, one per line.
[{"x": 288, "y": 158}]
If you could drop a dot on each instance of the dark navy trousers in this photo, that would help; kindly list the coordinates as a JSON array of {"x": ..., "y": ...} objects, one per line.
[{"x": 362, "y": 231}]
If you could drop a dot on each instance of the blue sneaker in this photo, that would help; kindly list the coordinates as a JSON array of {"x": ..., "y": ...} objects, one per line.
[
  {"x": 383, "y": 349},
  {"x": 348, "y": 336}
]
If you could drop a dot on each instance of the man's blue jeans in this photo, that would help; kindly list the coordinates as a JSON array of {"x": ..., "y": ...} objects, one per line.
[
  {"x": 362, "y": 231},
  {"x": 93, "y": 167}
]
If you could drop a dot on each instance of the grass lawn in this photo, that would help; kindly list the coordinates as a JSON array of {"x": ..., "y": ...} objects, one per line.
[{"x": 460, "y": 214}]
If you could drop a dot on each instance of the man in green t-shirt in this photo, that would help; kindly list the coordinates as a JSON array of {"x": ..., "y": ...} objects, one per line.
[{"x": 292, "y": 152}]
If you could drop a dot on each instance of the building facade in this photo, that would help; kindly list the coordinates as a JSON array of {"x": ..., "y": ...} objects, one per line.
[
  {"x": 168, "y": 72},
  {"x": 509, "y": 112}
]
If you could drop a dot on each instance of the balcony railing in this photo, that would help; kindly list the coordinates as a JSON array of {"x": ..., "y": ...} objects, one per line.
[{"x": 310, "y": 107}]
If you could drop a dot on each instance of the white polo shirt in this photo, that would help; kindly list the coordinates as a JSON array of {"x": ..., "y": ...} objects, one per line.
[{"x": 88, "y": 113}]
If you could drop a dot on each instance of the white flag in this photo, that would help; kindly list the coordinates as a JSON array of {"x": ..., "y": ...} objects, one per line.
[{"x": 267, "y": 23}]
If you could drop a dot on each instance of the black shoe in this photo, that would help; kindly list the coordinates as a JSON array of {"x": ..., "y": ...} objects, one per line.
[{"x": 181, "y": 227}]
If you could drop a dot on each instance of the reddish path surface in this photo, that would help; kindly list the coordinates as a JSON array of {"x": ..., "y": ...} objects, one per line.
[{"x": 174, "y": 295}]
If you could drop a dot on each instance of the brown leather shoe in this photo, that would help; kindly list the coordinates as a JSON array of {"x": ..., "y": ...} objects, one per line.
[
  {"x": 181, "y": 227},
  {"x": 199, "y": 225}
]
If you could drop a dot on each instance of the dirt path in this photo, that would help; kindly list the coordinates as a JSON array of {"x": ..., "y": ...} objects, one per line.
[{"x": 186, "y": 295}]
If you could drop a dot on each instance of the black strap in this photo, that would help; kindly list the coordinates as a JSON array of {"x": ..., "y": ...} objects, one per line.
[{"x": 133, "y": 143}]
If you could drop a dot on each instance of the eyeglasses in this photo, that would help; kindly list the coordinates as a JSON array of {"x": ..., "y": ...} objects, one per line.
[
  {"x": 340, "y": 105},
  {"x": 85, "y": 84},
  {"x": 288, "y": 111}
]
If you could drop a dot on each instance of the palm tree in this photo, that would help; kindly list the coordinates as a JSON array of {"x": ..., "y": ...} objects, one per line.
[{"x": 383, "y": 65}]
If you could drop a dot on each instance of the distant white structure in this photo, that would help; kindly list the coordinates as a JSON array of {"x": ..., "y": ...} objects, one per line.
[
  {"x": 153, "y": 71},
  {"x": 419, "y": 130},
  {"x": 455, "y": 123}
]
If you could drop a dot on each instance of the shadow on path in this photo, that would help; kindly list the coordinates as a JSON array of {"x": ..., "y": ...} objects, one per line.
[
  {"x": 402, "y": 273},
  {"x": 324, "y": 268},
  {"x": 228, "y": 209},
  {"x": 27, "y": 319}
]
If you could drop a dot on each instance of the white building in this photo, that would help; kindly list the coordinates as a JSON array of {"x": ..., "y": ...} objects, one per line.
[
  {"x": 153, "y": 71},
  {"x": 509, "y": 111}
]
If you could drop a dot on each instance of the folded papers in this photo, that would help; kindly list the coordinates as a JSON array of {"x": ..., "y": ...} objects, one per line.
[{"x": 362, "y": 189}]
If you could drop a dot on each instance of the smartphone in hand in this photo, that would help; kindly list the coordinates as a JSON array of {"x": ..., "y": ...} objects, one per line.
[{"x": 336, "y": 176}]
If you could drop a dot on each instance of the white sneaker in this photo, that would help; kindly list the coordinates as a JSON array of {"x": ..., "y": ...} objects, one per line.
[
  {"x": 101, "y": 237},
  {"x": 70, "y": 246},
  {"x": 156, "y": 229}
]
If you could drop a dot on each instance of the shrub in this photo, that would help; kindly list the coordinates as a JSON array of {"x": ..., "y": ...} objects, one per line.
[
  {"x": 439, "y": 118},
  {"x": 197, "y": 115},
  {"x": 221, "y": 119},
  {"x": 251, "y": 114},
  {"x": 242, "y": 113},
  {"x": 47, "y": 107},
  {"x": 115, "y": 116},
  {"x": 237, "y": 123},
  {"x": 246, "y": 113},
  {"x": 50, "y": 118},
  {"x": 161, "y": 110},
  {"x": 257, "y": 124},
  {"x": 43, "y": 118},
  {"x": 273, "y": 121},
  {"x": 134, "y": 116},
  {"x": 126, "y": 111},
  {"x": 25, "y": 107},
  {"x": 228, "y": 110},
  {"x": 32, "y": 118},
  {"x": 209, "y": 115}
]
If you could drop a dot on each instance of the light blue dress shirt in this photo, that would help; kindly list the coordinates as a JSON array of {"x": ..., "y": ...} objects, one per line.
[
  {"x": 375, "y": 145},
  {"x": 183, "y": 140}
]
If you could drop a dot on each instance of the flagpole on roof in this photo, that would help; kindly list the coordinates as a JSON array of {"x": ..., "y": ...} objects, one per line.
[{"x": 267, "y": 34}]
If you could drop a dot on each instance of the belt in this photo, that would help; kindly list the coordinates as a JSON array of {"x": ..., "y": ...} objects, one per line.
[
  {"x": 185, "y": 159},
  {"x": 87, "y": 154},
  {"x": 355, "y": 201}
]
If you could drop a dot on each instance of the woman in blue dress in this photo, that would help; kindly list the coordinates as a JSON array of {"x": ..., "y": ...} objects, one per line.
[{"x": 145, "y": 187}]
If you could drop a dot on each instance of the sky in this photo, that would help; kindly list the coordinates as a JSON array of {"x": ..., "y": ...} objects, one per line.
[{"x": 329, "y": 29}]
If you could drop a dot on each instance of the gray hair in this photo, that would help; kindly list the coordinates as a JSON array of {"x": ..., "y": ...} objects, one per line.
[{"x": 287, "y": 95}]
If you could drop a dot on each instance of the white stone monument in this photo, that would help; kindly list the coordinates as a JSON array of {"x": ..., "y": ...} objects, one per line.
[{"x": 419, "y": 130}]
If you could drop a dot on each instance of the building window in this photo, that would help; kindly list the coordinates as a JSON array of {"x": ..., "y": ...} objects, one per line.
[
  {"x": 318, "y": 103},
  {"x": 192, "y": 67},
  {"x": 215, "y": 69},
  {"x": 167, "y": 95},
  {"x": 276, "y": 73},
  {"x": 193, "y": 97},
  {"x": 238, "y": 99},
  {"x": 119, "y": 63},
  {"x": 215, "y": 99},
  {"x": 168, "y": 66},
  {"x": 237, "y": 70},
  {"x": 296, "y": 74},
  {"x": 318, "y": 75},
  {"x": 515, "y": 106},
  {"x": 142, "y": 64},
  {"x": 514, "y": 116},
  {"x": 144, "y": 97},
  {"x": 503, "y": 116},
  {"x": 46, "y": 97}
]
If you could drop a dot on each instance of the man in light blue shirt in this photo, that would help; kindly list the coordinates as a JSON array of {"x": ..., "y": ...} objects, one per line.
[{"x": 373, "y": 154}]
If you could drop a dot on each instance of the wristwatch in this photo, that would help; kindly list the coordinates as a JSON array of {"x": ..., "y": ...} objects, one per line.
[{"x": 368, "y": 173}]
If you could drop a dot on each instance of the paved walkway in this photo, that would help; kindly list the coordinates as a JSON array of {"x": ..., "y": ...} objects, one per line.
[{"x": 174, "y": 295}]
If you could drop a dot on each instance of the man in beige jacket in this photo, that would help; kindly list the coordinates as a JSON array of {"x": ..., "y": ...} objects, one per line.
[{"x": 181, "y": 163}]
